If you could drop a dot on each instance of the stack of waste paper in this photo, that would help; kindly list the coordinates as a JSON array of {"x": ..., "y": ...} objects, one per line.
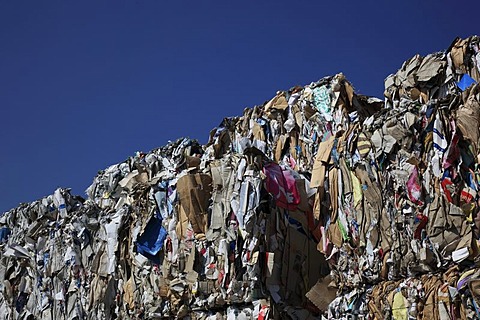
[{"x": 320, "y": 203}]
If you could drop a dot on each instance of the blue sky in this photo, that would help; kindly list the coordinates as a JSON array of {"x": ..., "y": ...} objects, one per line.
[{"x": 85, "y": 84}]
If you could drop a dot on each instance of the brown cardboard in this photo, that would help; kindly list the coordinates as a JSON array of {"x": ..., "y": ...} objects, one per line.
[{"x": 194, "y": 191}]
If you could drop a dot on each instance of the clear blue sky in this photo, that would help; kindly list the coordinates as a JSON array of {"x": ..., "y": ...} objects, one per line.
[{"x": 85, "y": 84}]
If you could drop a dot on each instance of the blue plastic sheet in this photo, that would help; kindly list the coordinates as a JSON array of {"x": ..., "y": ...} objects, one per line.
[
  {"x": 4, "y": 234},
  {"x": 151, "y": 241},
  {"x": 465, "y": 82}
]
